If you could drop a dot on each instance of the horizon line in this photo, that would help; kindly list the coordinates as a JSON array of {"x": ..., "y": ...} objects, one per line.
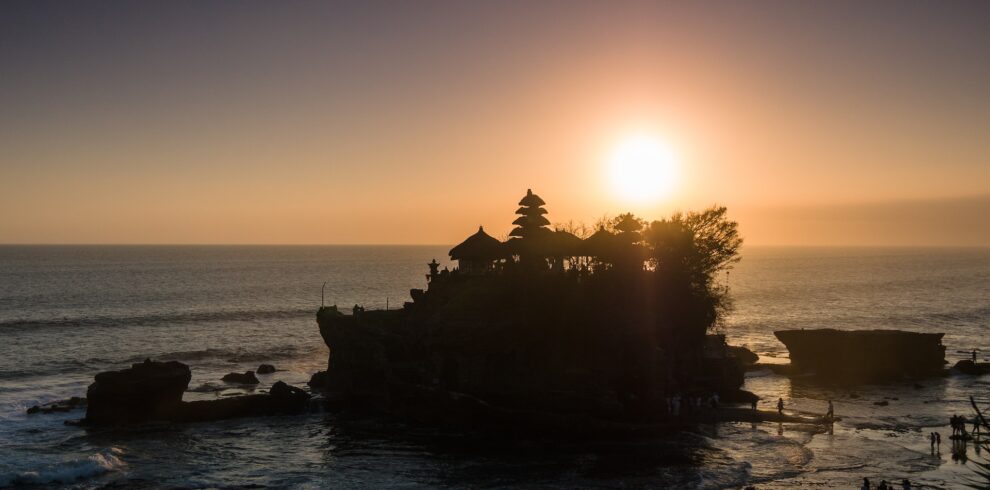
[{"x": 765, "y": 245}]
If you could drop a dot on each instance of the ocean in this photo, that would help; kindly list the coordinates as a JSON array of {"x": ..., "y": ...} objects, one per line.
[{"x": 69, "y": 312}]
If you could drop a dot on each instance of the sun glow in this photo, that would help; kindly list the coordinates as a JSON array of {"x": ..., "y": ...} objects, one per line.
[{"x": 642, "y": 168}]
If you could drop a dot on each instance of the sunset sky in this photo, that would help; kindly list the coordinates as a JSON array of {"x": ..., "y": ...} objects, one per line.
[{"x": 825, "y": 123}]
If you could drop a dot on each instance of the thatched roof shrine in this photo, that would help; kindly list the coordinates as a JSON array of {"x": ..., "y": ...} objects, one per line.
[{"x": 480, "y": 246}]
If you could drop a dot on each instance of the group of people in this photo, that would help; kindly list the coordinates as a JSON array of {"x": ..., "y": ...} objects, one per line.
[
  {"x": 958, "y": 424},
  {"x": 905, "y": 485},
  {"x": 676, "y": 405},
  {"x": 936, "y": 441}
]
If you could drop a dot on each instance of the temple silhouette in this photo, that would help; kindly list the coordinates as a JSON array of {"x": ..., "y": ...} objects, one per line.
[
  {"x": 536, "y": 247},
  {"x": 610, "y": 327}
]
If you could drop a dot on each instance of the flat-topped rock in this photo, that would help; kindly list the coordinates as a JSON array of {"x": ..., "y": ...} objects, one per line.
[
  {"x": 146, "y": 390},
  {"x": 864, "y": 354}
]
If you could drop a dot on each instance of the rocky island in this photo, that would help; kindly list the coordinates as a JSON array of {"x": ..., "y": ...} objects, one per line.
[
  {"x": 549, "y": 326},
  {"x": 864, "y": 355},
  {"x": 152, "y": 391}
]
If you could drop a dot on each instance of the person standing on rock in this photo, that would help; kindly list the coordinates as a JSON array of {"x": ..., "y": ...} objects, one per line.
[{"x": 780, "y": 406}]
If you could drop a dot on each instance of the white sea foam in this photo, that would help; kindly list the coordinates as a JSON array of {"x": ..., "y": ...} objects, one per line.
[{"x": 68, "y": 471}]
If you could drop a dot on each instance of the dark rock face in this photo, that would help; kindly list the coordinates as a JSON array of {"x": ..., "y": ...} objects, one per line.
[
  {"x": 245, "y": 378},
  {"x": 513, "y": 344},
  {"x": 146, "y": 391},
  {"x": 744, "y": 355},
  {"x": 318, "y": 381},
  {"x": 864, "y": 355},
  {"x": 265, "y": 369}
]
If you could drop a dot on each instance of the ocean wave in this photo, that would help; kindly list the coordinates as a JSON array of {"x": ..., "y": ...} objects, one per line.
[
  {"x": 67, "y": 471},
  {"x": 158, "y": 319},
  {"x": 225, "y": 356},
  {"x": 236, "y": 355}
]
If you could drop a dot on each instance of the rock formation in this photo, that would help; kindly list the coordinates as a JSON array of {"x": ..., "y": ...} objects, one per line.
[
  {"x": 245, "y": 378},
  {"x": 864, "y": 355},
  {"x": 146, "y": 391},
  {"x": 967, "y": 366},
  {"x": 152, "y": 391}
]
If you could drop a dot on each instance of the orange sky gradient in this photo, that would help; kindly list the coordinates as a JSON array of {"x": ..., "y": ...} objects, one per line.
[{"x": 817, "y": 124}]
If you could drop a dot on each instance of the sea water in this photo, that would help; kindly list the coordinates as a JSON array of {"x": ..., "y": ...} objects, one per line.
[{"x": 68, "y": 312}]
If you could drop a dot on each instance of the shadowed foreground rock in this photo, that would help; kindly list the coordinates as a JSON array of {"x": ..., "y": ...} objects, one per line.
[
  {"x": 152, "y": 391},
  {"x": 864, "y": 355}
]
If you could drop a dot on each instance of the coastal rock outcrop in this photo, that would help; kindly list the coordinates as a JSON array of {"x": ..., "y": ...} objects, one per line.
[
  {"x": 146, "y": 391},
  {"x": 318, "y": 381},
  {"x": 282, "y": 399},
  {"x": 967, "y": 366},
  {"x": 265, "y": 369},
  {"x": 864, "y": 355},
  {"x": 152, "y": 391},
  {"x": 745, "y": 356},
  {"x": 245, "y": 378}
]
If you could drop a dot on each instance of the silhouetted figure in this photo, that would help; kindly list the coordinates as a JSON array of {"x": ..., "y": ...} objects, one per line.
[
  {"x": 931, "y": 439},
  {"x": 974, "y": 355},
  {"x": 753, "y": 404},
  {"x": 830, "y": 414},
  {"x": 883, "y": 485},
  {"x": 938, "y": 442},
  {"x": 905, "y": 485},
  {"x": 780, "y": 406},
  {"x": 866, "y": 484}
]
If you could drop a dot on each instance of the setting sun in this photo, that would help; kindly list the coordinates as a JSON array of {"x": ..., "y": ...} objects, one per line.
[{"x": 642, "y": 168}]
